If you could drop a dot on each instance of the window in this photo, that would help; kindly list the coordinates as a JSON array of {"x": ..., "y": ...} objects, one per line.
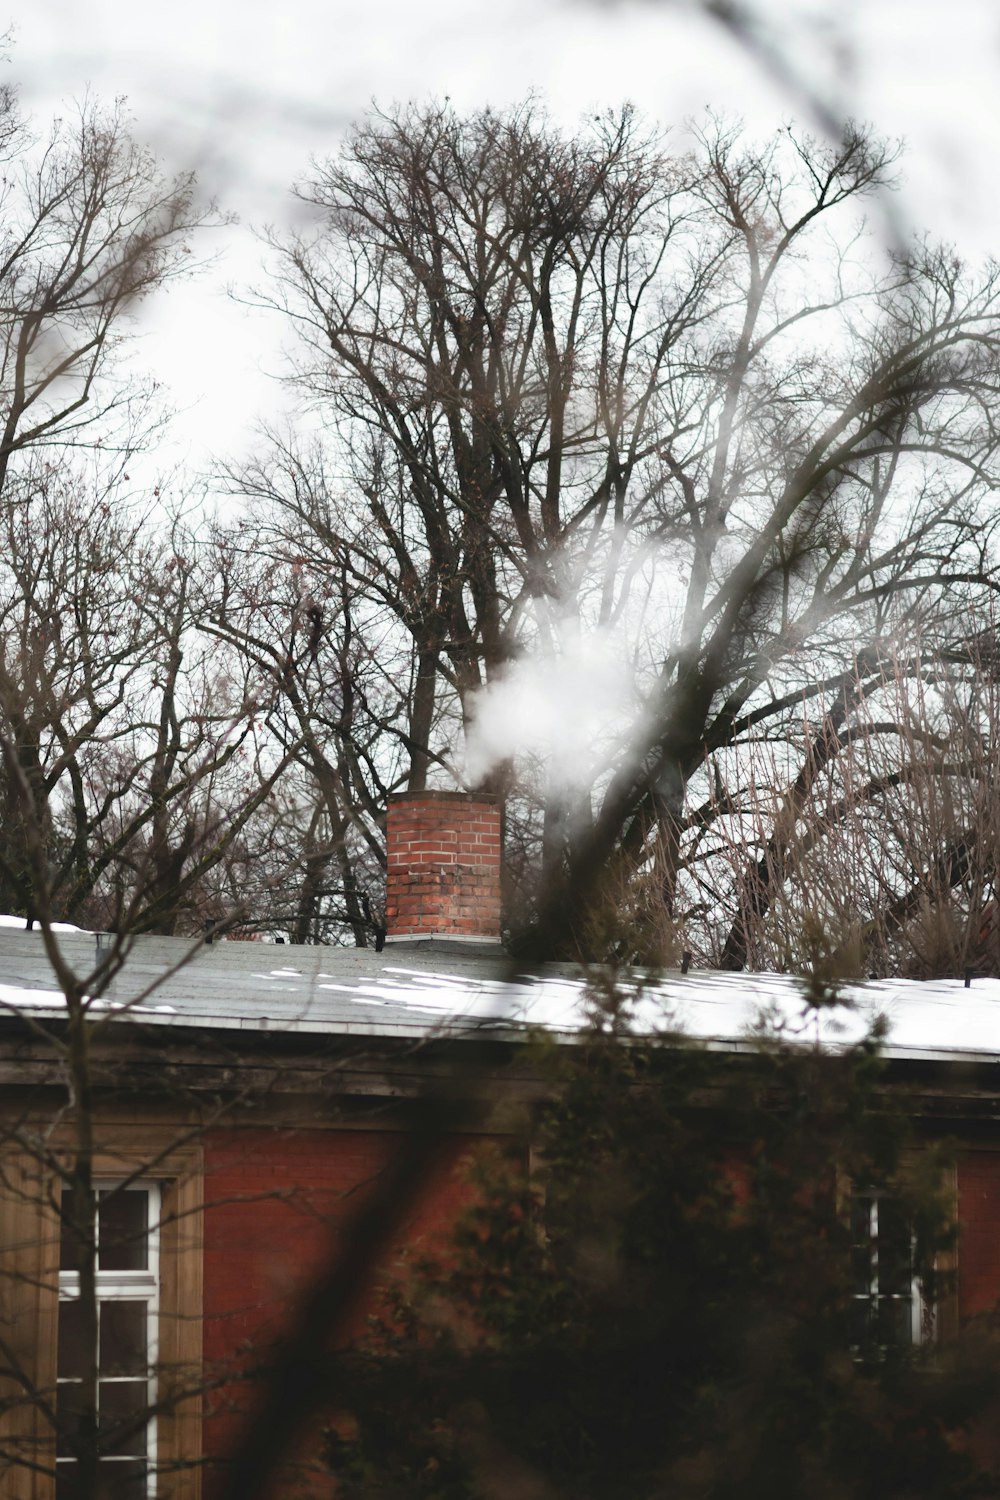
[
  {"x": 164, "y": 1166},
  {"x": 888, "y": 1312},
  {"x": 128, "y": 1246}
]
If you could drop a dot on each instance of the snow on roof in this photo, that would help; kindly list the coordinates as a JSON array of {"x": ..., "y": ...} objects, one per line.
[
  {"x": 431, "y": 990},
  {"x": 20, "y": 922}
]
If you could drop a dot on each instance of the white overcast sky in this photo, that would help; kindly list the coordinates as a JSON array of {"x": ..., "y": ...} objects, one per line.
[{"x": 248, "y": 92}]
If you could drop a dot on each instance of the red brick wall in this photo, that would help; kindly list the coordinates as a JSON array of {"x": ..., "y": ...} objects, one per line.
[
  {"x": 979, "y": 1269},
  {"x": 979, "y": 1232},
  {"x": 443, "y": 866},
  {"x": 276, "y": 1201}
]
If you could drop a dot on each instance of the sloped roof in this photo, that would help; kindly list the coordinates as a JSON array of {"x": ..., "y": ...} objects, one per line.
[{"x": 418, "y": 990}]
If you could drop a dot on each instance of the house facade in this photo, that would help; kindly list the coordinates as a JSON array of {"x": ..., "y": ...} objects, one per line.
[{"x": 275, "y": 1129}]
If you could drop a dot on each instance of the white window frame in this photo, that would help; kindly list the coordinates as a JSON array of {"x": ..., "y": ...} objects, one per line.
[
  {"x": 921, "y": 1312},
  {"x": 130, "y": 1286}
]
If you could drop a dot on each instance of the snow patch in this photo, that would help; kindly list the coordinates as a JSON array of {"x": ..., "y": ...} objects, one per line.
[{"x": 9, "y": 921}]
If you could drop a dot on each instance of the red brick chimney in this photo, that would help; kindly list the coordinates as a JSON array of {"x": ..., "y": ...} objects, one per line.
[{"x": 444, "y": 867}]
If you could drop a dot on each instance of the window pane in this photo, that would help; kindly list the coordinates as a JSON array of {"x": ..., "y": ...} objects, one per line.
[
  {"x": 69, "y": 1234},
  {"x": 66, "y": 1485},
  {"x": 122, "y": 1480},
  {"x": 862, "y": 1269},
  {"x": 894, "y": 1327},
  {"x": 72, "y": 1362},
  {"x": 895, "y": 1257},
  {"x": 861, "y": 1219},
  {"x": 123, "y": 1338},
  {"x": 123, "y": 1219},
  {"x": 860, "y": 1329},
  {"x": 122, "y": 1404},
  {"x": 67, "y": 1415}
]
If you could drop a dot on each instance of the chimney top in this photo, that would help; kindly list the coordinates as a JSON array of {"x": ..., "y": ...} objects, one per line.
[{"x": 443, "y": 852}]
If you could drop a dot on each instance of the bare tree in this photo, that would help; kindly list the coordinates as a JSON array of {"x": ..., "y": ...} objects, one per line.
[
  {"x": 91, "y": 226},
  {"x": 585, "y": 389},
  {"x": 878, "y": 827},
  {"x": 331, "y": 683},
  {"x": 142, "y": 749},
  {"x": 468, "y": 321},
  {"x": 120, "y": 726}
]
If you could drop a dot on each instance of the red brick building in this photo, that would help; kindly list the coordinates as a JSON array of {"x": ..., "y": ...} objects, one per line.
[{"x": 251, "y": 1100}]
